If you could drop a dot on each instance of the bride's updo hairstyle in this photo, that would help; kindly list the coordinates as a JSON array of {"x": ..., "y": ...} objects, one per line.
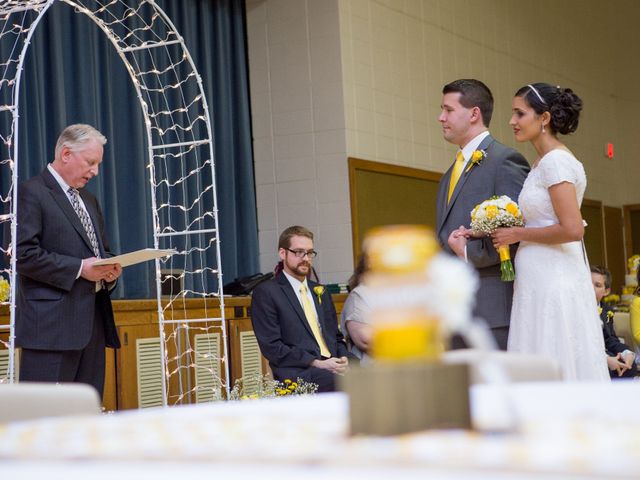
[{"x": 563, "y": 105}]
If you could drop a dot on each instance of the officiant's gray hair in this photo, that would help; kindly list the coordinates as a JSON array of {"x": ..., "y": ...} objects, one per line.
[{"x": 76, "y": 136}]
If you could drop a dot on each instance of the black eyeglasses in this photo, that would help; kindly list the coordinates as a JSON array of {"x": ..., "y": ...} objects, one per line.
[{"x": 303, "y": 253}]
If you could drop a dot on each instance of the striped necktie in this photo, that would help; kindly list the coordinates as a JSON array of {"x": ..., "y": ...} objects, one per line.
[
  {"x": 312, "y": 320},
  {"x": 455, "y": 174},
  {"x": 85, "y": 220}
]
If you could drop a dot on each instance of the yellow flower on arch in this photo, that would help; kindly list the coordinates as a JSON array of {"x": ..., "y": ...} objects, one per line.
[{"x": 5, "y": 289}]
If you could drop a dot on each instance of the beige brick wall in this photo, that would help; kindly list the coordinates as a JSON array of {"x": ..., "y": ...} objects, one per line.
[
  {"x": 299, "y": 129},
  {"x": 397, "y": 55},
  {"x": 338, "y": 78}
]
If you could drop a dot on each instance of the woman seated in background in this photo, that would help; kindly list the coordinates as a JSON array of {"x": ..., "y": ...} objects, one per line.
[
  {"x": 634, "y": 315},
  {"x": 354, "y": 318}
]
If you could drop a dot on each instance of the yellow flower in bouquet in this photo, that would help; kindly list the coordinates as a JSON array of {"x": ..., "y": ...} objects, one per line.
[
  {"x": 5, "y": 289},
  {"x": 494, "y": 213}
]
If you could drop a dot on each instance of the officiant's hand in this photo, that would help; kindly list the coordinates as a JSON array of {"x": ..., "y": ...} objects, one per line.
[
  {"x": 94, "y": 273},
  {"x": 113, "y": 273}
]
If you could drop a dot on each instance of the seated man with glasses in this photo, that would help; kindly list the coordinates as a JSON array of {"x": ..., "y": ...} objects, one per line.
[{"x": 294, "y": 318}]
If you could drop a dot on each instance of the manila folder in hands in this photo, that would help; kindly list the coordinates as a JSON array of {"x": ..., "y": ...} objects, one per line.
[{"x": 138, "y": 256}]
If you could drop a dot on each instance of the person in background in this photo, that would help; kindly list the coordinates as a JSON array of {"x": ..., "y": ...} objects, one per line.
[
  {"x": 620, "y": 358},
  {"x": 634, "y": 314},
  {"x": 354, "y": 318},
  {"x": 294, "y": 318}
]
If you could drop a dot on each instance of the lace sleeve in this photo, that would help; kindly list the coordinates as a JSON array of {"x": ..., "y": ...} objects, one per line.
[{"x": 559, "y": 166}]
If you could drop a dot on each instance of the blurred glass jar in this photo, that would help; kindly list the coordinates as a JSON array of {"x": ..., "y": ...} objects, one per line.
[{"x": 404, "y": 329}]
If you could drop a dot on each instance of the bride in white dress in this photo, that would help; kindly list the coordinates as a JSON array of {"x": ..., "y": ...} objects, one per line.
[{"x": 554, "y": 311}]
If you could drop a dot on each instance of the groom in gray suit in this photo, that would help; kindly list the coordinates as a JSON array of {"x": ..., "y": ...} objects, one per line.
[{"x": 483, "y": 168}]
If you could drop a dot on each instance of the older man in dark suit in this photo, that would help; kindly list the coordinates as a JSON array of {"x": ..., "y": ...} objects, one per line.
[
  {"x": 467, "y": 106},
  {"x": 294, "y": 319},
  {"x": 63, "y": 310}
]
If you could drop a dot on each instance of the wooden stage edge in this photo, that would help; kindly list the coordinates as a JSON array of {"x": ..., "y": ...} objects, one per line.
[{"x": 137, "y": 320}]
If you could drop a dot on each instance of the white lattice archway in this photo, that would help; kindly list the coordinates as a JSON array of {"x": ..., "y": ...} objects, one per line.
[{"x": 181, "y": 174}]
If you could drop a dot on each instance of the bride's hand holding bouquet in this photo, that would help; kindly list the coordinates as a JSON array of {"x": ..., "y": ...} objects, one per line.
[
  {"x": 501, "y": 218},
  {"x": 506, "y": 236}
]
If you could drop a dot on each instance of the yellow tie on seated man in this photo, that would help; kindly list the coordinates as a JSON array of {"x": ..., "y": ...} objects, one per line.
[{"x": 312, "y": 319}]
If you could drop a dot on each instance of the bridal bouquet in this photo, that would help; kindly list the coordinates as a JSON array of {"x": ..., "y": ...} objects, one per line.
[{"x": 494, "y": 213}]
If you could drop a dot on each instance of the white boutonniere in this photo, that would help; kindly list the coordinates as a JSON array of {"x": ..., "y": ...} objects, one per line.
[
  {"x": 319, "y": 290},
  {"x": 476, "y": 158}
]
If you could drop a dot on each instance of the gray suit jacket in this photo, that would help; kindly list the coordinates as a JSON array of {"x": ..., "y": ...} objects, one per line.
[
  {"x": 54, "y": 309},
  {"x": 501, "y": 172}
]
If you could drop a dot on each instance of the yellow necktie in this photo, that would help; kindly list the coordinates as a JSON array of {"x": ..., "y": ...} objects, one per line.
[
  {"x": 312, "y": 320},
  {"x": 455, "y": 174}
]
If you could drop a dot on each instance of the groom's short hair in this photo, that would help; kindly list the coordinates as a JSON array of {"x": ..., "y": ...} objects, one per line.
[{"x": 473, "y": 93}]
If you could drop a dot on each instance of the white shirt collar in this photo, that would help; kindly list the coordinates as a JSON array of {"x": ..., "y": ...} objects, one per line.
[
  {"x": 473, "y": 145},
  {"x": 295, "y": 283},
  {"x": 58, "y": 178}
]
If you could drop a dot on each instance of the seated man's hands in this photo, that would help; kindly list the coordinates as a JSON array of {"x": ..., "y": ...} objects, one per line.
[
  {"x": 616, "y": 364},
  {"x": 627, "y": 357},
  {"x": 335, "y": 365}
]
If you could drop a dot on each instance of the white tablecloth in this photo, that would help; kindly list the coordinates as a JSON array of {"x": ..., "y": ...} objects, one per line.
[{"x": 555, "y": 429}]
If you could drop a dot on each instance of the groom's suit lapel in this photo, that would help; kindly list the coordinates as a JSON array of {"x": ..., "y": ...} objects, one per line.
[{"x": 466, "y": 173}]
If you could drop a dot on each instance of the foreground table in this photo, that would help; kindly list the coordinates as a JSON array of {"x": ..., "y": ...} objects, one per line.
[{"x": 553, "y": 429}]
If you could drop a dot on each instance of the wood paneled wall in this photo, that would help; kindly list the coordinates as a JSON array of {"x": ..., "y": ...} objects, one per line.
[{"x": 138, "y": 319}]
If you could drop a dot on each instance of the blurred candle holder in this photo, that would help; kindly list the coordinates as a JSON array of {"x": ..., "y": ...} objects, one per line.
[{"x": 406, "y": 388}]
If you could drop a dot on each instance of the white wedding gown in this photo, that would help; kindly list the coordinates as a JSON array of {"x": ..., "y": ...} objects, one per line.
[{"x": 554, "y": 311}]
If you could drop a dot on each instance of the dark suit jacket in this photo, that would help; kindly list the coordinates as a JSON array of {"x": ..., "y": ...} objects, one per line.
[
  {"x": 612, "y": 343},
  {"x": 283, "y": 333},
  {"x": 501, "y": 172},
  {"x": 54, "y": 309}
]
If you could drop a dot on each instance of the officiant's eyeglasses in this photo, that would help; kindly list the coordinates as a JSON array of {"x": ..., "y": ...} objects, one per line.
[{"x": 303, "y": 253}]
